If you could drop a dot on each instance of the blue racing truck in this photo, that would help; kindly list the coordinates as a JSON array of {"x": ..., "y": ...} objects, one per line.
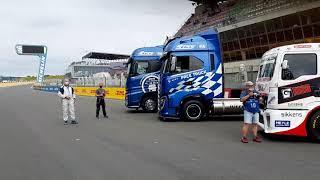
[
  {"x": 143, "y": 76},
  {"x": 191, "y": 79}
]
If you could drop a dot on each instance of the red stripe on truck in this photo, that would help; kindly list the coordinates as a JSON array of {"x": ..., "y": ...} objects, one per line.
[{"x": 301, "y": 130}]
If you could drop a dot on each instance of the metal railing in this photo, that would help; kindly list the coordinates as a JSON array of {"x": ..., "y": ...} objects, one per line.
[
  {"x": 94, "y": 81},
  {"x": 89, "y": 82}
]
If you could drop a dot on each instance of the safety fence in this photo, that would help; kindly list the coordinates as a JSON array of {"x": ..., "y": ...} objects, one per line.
[
  {"x": 111, "y": 92},
  {"x": 89, "y": 82},
  {"x": 94, "y": 81}
]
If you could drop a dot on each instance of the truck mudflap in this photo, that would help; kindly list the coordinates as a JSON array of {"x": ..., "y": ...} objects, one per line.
[{"x": 226, "y": 106}]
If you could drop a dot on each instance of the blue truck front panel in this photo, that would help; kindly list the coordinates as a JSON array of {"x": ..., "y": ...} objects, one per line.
[
  {"x": 205, "y": 83},
  {"x": 138, "y": 85}
]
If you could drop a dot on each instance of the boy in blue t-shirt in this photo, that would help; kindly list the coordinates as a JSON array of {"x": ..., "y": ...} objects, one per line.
[{"x": 250, "y": 100}]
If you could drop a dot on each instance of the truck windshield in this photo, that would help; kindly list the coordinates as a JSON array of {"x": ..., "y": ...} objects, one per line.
[
  {"x": 267, "y": 67},
  {"x": 136, "y": 68},
  {"x": 299, "y": 65}
]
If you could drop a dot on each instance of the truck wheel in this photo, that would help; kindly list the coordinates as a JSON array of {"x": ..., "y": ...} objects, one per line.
[
  {"x": 149, "y": 104},
  {"x": 313, "y": 126},
  {"x": 193, "y": 110}
]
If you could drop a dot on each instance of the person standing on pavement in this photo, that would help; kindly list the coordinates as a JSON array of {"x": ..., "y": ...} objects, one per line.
[
  {"x": 250, "y": 99},
  {"x": 101, "y": 94},
  {"x": 67, "y": 95}
]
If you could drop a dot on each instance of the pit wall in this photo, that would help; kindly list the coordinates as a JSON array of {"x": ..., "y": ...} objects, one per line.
[{"x": 111, "y": 92}]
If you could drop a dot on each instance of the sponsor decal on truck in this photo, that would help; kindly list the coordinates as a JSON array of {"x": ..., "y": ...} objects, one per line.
[
  {"x": 290, "y": 114},
  {"x": 281, "y": 123},
  {"x": 298, "y": 90}
]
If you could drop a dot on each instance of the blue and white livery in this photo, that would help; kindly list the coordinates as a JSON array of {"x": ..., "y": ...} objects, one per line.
[
  {"x": 192, "y": 78},
  {"x": 143, "y": 78}
]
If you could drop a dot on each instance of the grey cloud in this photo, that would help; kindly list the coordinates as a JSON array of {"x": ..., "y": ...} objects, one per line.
[{"x": 70, "y": 28}]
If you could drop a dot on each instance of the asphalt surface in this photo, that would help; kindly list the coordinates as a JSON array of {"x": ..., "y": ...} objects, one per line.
[{"x": 36, "y": 145}]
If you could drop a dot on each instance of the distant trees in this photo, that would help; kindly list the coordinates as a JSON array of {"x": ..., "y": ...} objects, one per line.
[{"x": 33, "y": 78}]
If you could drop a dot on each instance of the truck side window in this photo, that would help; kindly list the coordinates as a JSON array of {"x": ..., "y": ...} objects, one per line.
[
  {"x": 154, "y": 66},
  {"x": 187, "y": 63},
  {"x": 142, "y": 68},
  {"x": 299, "y": 65}
]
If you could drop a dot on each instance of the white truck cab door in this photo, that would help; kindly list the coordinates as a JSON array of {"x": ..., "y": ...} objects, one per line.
[{"x": 299, "y": 79}]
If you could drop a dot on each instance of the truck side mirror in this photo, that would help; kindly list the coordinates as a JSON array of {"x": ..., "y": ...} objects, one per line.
[
  {"x": 173, "y": 63},
  {"x": 285, "y": 64}
]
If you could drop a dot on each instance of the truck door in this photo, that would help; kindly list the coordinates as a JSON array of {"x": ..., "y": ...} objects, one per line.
[
  {"x": 134, "y": 89},
  {"x": 183, "y": 77},
  {"x": 299, "y": 80}
]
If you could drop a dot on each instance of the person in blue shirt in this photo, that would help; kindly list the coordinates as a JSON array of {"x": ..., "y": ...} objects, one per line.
[{"x": 250, "y": 99}]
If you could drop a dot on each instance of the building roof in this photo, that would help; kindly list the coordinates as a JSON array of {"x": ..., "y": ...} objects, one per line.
[
  {"x": 106, "y": 56},
  {"x": 205, "y": 1}
]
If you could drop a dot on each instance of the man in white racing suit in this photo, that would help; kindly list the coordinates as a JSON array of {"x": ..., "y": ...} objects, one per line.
[{"x": 67, "y": 95}]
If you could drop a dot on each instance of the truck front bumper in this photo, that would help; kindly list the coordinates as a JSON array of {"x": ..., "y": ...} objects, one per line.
[
  {"x": 165, "y": 111},
  {"x": 285, "y": 122},
  {"x": 129, "y": 103}
]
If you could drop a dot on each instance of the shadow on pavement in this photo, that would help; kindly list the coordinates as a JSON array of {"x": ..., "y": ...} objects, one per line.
[
  {"x": 137, "y": 112},
  {"x": 207, "y": 119},
  {"x": 282, "y": 138}
]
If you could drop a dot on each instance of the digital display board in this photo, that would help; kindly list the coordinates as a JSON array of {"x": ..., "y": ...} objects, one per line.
[{"x": 32, "y": 49}]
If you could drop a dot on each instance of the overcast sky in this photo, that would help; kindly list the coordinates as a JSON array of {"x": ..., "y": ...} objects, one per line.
[{"x": 71, "y": 28}]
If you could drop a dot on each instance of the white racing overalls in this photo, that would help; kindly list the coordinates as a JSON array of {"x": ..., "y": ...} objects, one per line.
[{"x": 67, "y": 104}]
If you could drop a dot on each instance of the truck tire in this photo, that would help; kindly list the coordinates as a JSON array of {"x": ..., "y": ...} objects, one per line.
[
  {"x": 193, "y": 110},
  {"x": 313, "y": 127},
  {"x": 149, "y": 104}
]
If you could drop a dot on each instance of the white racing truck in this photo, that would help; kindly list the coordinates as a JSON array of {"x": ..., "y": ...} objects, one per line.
[{"x": 289, "y": 78}]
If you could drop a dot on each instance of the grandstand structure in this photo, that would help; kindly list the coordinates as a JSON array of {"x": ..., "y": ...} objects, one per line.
[
  {"x": 248, "y": 28},
  {"x": 94, "y": 63},
  {"x": 95, "y": 68}
]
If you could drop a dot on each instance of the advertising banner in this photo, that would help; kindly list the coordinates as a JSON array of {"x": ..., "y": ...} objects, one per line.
[{"x": 111, "y": 92}]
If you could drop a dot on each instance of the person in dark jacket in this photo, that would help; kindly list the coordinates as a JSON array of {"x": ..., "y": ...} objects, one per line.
[{"x": 101, "y": 94}]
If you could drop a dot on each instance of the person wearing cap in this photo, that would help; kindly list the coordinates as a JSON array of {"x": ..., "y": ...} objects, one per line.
[
  {"x": 101, "y": 94},
  {"x": 250, "y": 99},
  {"x": 67, "y": 95}
]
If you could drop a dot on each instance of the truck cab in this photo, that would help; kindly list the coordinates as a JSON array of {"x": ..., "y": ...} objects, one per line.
[
  {"x": 191, "y": 79},
  {"x": 289, "y": 78},
  {"x": 143, "y": 76}
]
